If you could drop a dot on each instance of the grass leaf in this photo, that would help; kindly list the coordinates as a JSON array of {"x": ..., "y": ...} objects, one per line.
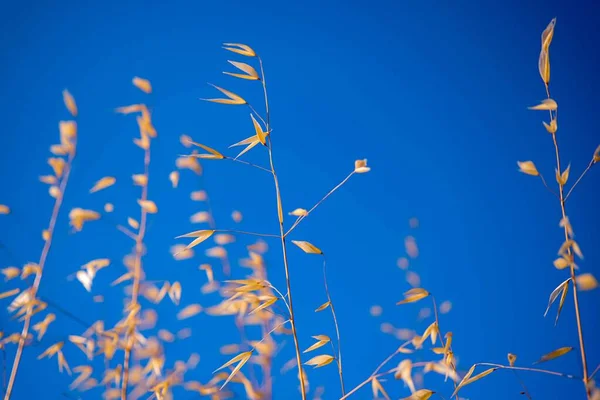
[
  {"x": 103, "y": 183},
  {"x": 413, "y": 295},
  {"x": 555, "y": 293},
  {"x": 260, "y": 134},
  {"x": 242, "y": 358},
  {"x": 323, "y": 306},
  {"x": 232, "y": 97},
  {"x": 586, "y": 282},
  {"x": 421, "y": 394},
  {"x": 249, "y": 72},
  {"x": 320, "y": 361},
  {"x": 554, "y": 354},
  {"x": 69, "y": 102},
  {"x": 149, "y": 206},
  {"x": 378, "y": 388},
  {"x": 545, "y": 105},
  {"x": 307, "y": 247},
  {"x": 527, "y": 167},
  {"x": 142, "y": 84},
  {"x": 239, "y": 49},
  {"x": 200, "y": 236},
  {"x": 322, "y": 340}
]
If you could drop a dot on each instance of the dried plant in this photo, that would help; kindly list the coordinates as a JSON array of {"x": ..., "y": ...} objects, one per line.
[
  {"x": 409, "y": 370},
  {"x": 569, "y": 249},
  {"x": 250, "y": 291},
  {"x": 252, "y": 301},
  {"x": 27, "y": 304},
  {"x": 129, "y": 358},
  {"x": 567, "y": 252}
]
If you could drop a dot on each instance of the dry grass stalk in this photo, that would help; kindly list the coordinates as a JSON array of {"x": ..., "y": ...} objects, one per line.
[
  {"x": 263, "y": 137},
  {"x": 569, "y": 249},
  {"x": 254, "y": 301},
  {"x": 562, "y": 176},
  {"x": 68, "y": 147},
  {"x": 147, "y": 132}
]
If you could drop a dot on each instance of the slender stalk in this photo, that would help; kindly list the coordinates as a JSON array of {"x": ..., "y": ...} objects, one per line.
[
  {"x": 543, "y": 371},
  {"x": 233, "y": 159},
  {"x": 282, "y": 235},
  {"x": 106, "y": 367},
  {"x": 379, "y": 375},
  {"x": 547, "y": 187},
  {"x": 257, "y": 114},
  {"x": 267, "y": 382},
  {"x": 437, "y": 321},
  {"x": 248, "y": 163},
  {"x": 594, "y": 373},
  {"x": 239, "y": 324},
  {"x": 269, "y": 333},
  {"x": 363, "y": 383},
  {"x": 127, "y": 232},
  {"x": 66, "y": 313},
  {"x": 375, "y": 374},
  {"x": 36, "y": 284},
  {"x": 137, "y": 272},
  {"x": 247, "y": 233},
  {"x": 579, "y": 179},
  {"x": 251, "y": 349},
  {"x": 287, "y": 278},
  {"x": 572, "y": 266},
  {"x": 300, "y": 219},
  {"x": 281, "y": 295},
  {"x": 525, "y": 391},
  {"x": 3, "y": 369},
  {"x": 337, "y": 328}
]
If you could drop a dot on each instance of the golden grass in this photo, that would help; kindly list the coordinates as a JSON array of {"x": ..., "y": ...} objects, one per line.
[
  {"x": 27, "y": 303},
  {"x": 253, "y": 301}
]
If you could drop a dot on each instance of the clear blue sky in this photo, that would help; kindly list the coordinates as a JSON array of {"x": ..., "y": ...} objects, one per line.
[{"x": 433, "y": 94}]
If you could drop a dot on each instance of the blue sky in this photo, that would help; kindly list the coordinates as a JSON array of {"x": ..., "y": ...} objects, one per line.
[{"x": 433, "y": 94}]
